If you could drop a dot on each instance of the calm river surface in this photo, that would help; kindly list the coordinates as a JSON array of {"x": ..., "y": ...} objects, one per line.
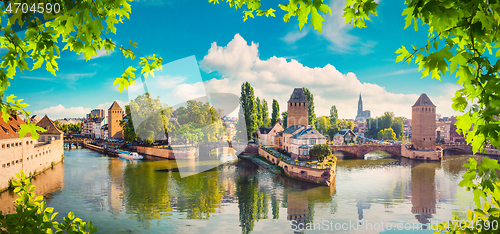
[{"x": 150, "y": 197}]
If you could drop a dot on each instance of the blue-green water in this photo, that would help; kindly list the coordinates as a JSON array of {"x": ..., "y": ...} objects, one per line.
[{"x": 150, "y": 197}]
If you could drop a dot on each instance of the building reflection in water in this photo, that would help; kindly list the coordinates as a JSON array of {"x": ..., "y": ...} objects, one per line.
[
  {"x": 115, "y": 191},
  {"x": 301, "y": 199},
  {"x": 47, "y": 184},
  {"x": 362, "y": 205},
  {"x": 423, "y": 189}
]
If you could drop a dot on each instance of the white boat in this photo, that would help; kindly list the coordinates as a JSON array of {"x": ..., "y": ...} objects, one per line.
[{"x": 129, "y": 156}]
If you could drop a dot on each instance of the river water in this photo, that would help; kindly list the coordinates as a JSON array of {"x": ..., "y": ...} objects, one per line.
[{"x": 369, "y": 196}]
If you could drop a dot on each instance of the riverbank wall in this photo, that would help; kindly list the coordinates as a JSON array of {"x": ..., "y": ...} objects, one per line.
[
  {"x": 165, "y": 153},
  {"x": 27, "y": 155},
  {"x": 313, "y": 175},
  {"x": 434, "y": 155}
]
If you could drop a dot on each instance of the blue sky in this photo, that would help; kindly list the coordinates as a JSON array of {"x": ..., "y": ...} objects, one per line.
[{"x": 273, "y": 56}]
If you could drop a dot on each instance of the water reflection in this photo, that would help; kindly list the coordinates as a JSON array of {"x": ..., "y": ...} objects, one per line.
[
  {"x": 47, "y": 184},
  {"x": 151, "y": 197}
]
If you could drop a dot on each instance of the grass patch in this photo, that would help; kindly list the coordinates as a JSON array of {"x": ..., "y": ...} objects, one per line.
[{"x": 263, "y": 160}]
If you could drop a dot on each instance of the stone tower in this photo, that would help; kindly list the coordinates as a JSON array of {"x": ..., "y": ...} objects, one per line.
[
  {"x": 115, "y": 115},
  {"x": 423, "y": 116},
  {"x": 297, "y": 108}
]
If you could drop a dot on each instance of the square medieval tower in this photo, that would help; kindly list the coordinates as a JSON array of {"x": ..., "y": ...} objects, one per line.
[
  {"x": 297, "y": 108},
  {"x": 115, "y": 115},
  {"x": 423, "y": 116}
]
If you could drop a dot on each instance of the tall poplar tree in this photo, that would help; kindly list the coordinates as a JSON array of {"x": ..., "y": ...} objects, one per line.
[
  {"x": 276, "y": 113},
  {"x": 265, "y": 114},
  {"x": 311, "y": 116},
  {"x": 260, "y": 123},
  {"x": 249, "y": 106},
  {"x": 284, "y": 115}
]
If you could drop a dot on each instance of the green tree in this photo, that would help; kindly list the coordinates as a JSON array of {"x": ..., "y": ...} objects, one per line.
[
  {"x": 265, "y": 114},
  {"x": 350, "y": 125},
  {"x": 334, "y": 116},
  {"x": 284, "y": 115},
  {"x": 323, "y": 124},
  {"x": 148, "y": 117},
  {"x": 276, "y": 113},
  {"x": 386, "y": 120},
  {"x": 321, "y": 151},
  {"x": 128, "y": 126},
  {"x": 398, "y": 126},
  {"x": 247, "y": 100},
  {"x": 40, "y": 43},
  {"x": 310, "y": 106},
  {"x": 260, "y": 121},
  {"x": 386, "y": 134}
]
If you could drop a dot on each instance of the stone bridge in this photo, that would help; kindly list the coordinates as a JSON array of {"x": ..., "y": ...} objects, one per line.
[
  {"x": 462, "y": 148},
  {"x": 361, "y": 150}
]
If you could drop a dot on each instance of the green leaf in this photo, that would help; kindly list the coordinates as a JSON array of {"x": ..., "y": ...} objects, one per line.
[
  {"x": 30, "y": 128},
  {"x": 71, "y": 215},
  {"x": 316, "y": 20},
  {"x": 134, "y": 44}
]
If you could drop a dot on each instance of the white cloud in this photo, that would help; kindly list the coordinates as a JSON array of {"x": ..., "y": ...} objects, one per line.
[
  {"x": 296, "y": 35},
  {"x": 60, "y": 111},
  {"x": 399, "y": 72},
  {"x": 107, "y": 105},
  {"x": 337, "y": 32},
  {"x": 231, "y": 59},
  {"x": 101, "y": 53},
  {"x": 275, "y": 78}
]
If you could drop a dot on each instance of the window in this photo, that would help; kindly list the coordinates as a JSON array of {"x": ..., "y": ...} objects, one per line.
[
  {"x": 20, "y": 143},
  {"x": 3, "y": 165},
  {"x": 17, "y": 144},
  {"x": 8, "y": 164},
  {"x": 312, "y": 142},
  {"x": 3, "y": 146},
  {"x": 12, "y": 145},
  {"x": 31, "y": 156},
  {"x": 304, "y": 142},
  {"x": 17, "y": 161}
]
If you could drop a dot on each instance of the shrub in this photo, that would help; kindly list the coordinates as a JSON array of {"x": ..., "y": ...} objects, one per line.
[{"x": 33, "y": 215}]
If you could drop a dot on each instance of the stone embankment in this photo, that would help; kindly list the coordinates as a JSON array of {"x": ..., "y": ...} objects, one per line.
[{"x": 323, "y": 176}]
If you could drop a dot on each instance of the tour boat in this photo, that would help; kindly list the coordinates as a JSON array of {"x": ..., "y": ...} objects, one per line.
[{"x": 129, "y": 155}]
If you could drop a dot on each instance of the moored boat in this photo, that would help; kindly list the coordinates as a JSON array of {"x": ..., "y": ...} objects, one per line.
[{"x": 129, "y": 155}]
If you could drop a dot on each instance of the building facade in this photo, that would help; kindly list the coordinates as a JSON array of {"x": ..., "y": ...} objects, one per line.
[
  {"x": 297, "y": 108},
  {"x": 423, "y": 124},
  {"x": 27, "y": 154},
  {"x": 344, "y": 136},
  {"x": 266, "y": 134},
  {"x": 115, "y": 115},
  {"x": 302, "y": 142},
  {"x": 97, "y": 113}
]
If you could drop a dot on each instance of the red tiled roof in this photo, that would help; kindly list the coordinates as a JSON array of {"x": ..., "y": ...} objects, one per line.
[
  {"x": 11, "y": 129},
  {"x": 47, "y": 123}
]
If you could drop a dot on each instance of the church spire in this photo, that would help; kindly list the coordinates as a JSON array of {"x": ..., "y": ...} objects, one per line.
[{"x": 360, "y": 104}]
